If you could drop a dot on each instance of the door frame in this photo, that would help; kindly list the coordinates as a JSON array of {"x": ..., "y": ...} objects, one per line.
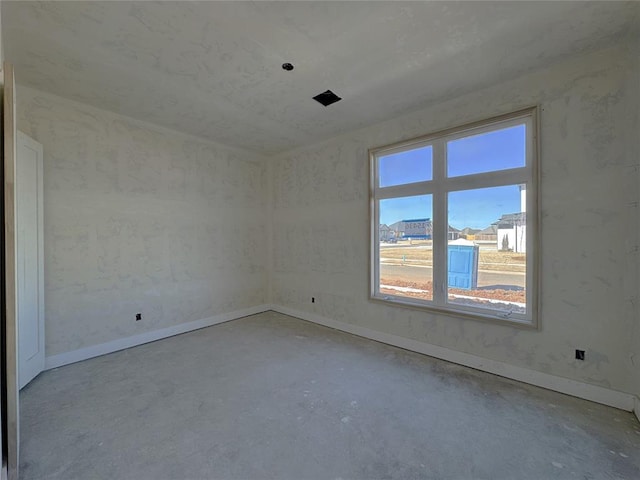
[{"x": 10, "y": 422}]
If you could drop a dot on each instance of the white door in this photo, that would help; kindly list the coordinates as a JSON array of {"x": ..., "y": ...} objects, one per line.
[{"x": 30, "y": 308}]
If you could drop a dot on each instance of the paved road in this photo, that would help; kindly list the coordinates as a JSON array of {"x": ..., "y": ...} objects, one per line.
[{"x": 419, "y": 273}]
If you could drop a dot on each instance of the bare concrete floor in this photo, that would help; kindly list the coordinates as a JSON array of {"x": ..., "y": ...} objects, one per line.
[{"x": 270, "y": 396}]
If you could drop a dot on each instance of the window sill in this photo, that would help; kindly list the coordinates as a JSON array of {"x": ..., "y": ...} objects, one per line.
[{"x": 495, "y": 318}]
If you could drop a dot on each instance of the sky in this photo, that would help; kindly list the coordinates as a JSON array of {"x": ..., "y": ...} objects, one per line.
[{"x": 497, "y": 150}]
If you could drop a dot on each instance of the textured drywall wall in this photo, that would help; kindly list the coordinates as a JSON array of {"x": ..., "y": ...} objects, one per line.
[
  {"x": 589, "y": 195},
  {"x": 141, "y": 219},
  {"x": 1, "y": 51},
  {"x": 634, "y": 154},
  {"x": 1, "y": 44}
]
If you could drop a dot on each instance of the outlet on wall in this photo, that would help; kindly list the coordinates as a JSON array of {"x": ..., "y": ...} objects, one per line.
[
  {"x": 579, "y": 354},
  {"x": 313, "y": 299},
  {"x": 138, "y": 316}
]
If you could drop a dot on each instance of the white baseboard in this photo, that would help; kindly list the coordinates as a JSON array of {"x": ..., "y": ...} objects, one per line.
[
  {"x": 636, "y": 408},
  {"x": 66, "y": 358},
  {"x": 613, "y": 398}
]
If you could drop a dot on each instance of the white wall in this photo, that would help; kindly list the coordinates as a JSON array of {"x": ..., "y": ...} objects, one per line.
[
  {"x": 141, "y": 219},
  {"x": 1, "y": 51},
  {"x": 516, "y": 238},
  {"x": 633, "y": 106},
  {"x": 589, "y": 186},
  {"x": 2, "y": 368},
  {"x": 1, "y": 44}
]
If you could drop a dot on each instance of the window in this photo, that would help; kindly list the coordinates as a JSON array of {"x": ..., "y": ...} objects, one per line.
[{"x": 454, "y": 220}]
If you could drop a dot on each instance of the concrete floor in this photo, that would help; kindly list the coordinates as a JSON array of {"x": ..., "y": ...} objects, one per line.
[{"x": 270, "y": 396}]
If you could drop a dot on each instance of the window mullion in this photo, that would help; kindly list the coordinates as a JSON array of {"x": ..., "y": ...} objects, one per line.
[
  {"x": 487, "y": 180},
  {"x": 407, "y": 190},
  {"x": 439, "y": 223}
]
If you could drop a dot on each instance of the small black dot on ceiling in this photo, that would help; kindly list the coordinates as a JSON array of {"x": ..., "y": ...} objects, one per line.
[{"x": 287, "y": 66}]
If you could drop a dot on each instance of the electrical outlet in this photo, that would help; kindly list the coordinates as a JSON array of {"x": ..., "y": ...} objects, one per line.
[
  {"x": 313, "y": 299},
  {"x": 580, "y": 355},
  {"x": 138, "y": 316}
]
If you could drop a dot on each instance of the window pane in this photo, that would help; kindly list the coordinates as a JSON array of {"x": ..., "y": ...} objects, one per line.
[
  {"x": 486, "y": 259},
  {"x": 406, "y": 253},
  {"x": 487, "y": 152},
  {"x": 406, "y": 167}
]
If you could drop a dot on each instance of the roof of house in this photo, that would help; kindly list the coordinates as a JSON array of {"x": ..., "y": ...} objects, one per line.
[
  {"x": 490, "y": 230},
  {"x": 509, "y": 219}
]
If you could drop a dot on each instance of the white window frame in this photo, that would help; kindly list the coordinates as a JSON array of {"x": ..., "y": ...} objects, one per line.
[{"x": 439, "y": 187}]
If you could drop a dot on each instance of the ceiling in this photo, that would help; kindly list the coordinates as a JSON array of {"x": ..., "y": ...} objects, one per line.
[{"x": 213, "y": 69}]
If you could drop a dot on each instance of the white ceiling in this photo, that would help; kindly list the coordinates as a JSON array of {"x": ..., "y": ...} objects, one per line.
[{"x": 213, "y": 69}]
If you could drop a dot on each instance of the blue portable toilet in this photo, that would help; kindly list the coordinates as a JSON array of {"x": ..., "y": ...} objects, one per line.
[{"x": 463, "y": 264}]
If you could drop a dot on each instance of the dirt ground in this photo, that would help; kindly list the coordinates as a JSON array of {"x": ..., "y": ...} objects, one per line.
[
  {"x": 427, "y": 294},
  {"x": 423, "y": 255}
]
